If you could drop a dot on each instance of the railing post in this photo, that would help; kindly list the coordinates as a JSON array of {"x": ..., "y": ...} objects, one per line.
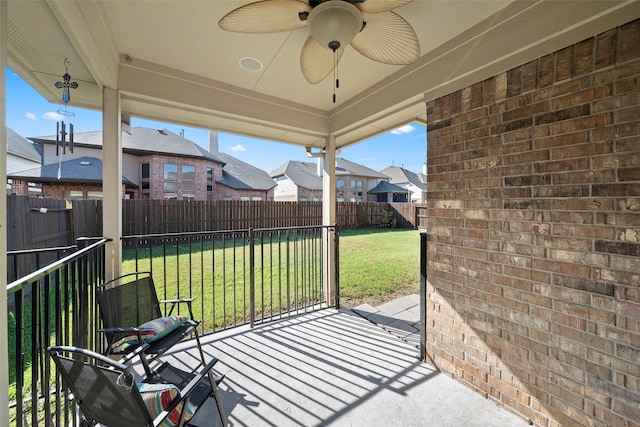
[
  {"x": 252, "y": 280},
  {"x": 336, "y": 239},
  {"x": 423, "y": 296}
]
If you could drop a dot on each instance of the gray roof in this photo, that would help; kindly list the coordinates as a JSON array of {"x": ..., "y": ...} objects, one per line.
[
  {"x": 239, "y": 175},
  {"x": 305, "y": 174},
  {"x": 141, "y": 141},
  {"x": 81, "y": 169},
  {"x": 401, "y": 176},
  {"x": 345, "y": 167},
  {"x": 387, "y": 187},
  {"x": 20, "y": 146}
]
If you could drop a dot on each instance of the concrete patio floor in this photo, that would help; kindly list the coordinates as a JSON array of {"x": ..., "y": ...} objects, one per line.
[{"x": 334, "y": 368}]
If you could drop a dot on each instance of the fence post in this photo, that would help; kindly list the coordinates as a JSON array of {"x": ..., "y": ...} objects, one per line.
[
  {"x": 252, "y": 279},
  {"x": 423, "y": 296}
]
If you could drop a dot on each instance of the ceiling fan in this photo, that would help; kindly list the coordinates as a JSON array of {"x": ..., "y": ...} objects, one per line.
[{"x": 370, "y": 26}]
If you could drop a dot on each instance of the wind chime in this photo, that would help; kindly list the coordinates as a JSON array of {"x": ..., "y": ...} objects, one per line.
[{"x": 61, "y": 129}]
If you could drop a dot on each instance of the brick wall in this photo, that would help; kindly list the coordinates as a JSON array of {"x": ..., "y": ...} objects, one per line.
[{"x": 534, "y": 234}]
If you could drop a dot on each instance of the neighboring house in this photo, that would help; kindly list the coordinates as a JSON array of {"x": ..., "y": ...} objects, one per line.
[
  {"x": 241, "y": 181},
  {"x": 21, "y": 154},
  {"x": 388, "y": 192},
  {"x": 156, "y": 164},
  {"x": 79, "y": 178},
  {"x": 415, "y": 183},
  {"x": 302, "y": 181}
]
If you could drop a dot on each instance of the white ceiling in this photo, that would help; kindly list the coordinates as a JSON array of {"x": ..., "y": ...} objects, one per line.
[{"x": 173, "y": 63}]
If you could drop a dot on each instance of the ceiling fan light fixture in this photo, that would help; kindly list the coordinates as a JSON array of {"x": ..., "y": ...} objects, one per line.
[{"x": 334, "y": 23}]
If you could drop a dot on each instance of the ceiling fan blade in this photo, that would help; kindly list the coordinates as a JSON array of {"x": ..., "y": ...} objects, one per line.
[
  {"x": 387, "y": 38},
  {"x": 377, "y": 6},
  {"x": 266, "y": 16},
  {"x": 316, "y": 61}
]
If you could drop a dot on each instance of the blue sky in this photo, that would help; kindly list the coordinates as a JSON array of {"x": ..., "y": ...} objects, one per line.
[{"x": 29, "y": 114}]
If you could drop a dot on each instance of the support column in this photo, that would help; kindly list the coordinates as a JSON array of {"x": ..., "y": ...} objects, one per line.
[
  {"x": 112, "y": 180},
  {"x": 329, "y": 217},
  {"x": 4, "y": 330}
]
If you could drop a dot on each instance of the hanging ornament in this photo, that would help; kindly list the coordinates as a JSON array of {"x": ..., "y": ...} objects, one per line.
[{"x": 61, "y": 130}]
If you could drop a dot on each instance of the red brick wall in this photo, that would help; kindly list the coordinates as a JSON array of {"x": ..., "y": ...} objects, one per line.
[{"x": 534, "y": 234}]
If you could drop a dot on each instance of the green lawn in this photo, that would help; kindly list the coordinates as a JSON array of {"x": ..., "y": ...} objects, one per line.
[{"x": 378, "y": 265}]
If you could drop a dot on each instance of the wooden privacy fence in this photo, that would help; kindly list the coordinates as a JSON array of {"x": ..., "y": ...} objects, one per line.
[
  {"x": 35, "y": 223},
  {"x": 141, "y": 217}
]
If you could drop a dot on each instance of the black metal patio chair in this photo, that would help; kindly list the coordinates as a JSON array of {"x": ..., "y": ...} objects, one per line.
[
  {"x": 111, "y": 394},
  {"x": 131, "y": 314}
]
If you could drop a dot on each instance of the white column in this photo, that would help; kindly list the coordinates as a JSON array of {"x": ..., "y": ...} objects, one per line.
[
  {"x": 4, "y": 330},
  {"x": 329, "y": 215},
  {"x": 112, "y": 180}
]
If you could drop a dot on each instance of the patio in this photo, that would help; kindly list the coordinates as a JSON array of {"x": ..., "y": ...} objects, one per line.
[{"x": 333, "y": 367}]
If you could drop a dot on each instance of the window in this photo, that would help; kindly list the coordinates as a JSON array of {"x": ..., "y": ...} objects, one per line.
[
  {"x": 209, "y": 175},
  {"x": 73, "y": 195},
  {"x": 228, "y": 198},
  {"x": 170, "y": 186},
  {"x": 170, "y": 196},
  {"x": 188, "y": 197},
  {"x": 340, "y": 185},
  {"x": 245, "y": 199},
  {"x": 145, "y": 185},
  {"x": 189, "y": 186},
  {"x": 256, "y": 199},
  {"x": 94, "y": 195},
  {"x": 170, "y": 171},
  {"x": 145, "y": 172},
  {"x": 188, "y": 173}
]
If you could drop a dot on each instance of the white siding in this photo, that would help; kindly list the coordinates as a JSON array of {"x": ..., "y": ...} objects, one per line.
[
  {"x": 17, "y": 164},
  {"x": 285, "y": 187},
  {"x": 130, "y": 167}
]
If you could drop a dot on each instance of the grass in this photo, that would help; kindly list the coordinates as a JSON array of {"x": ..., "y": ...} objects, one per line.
[{"x": 378, "y": 265}]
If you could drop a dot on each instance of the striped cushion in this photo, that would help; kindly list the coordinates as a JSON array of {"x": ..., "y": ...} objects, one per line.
[
  {"x": 150, "y": 331},
  {"x": 158, "y": 397}
]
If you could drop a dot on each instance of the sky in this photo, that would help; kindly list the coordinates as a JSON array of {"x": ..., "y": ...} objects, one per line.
[{"x": 30, "y": 115}]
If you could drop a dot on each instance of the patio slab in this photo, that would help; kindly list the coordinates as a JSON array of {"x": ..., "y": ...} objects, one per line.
[{"x": 334, "y": 368}]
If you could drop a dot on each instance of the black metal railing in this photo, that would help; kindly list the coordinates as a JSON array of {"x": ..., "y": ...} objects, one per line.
[
  {"x": 54, "y": 305},
  {"x": 28, "y": 260},
  {"x": 239, "y": 277},
  {"x": 235, "y": 277}
]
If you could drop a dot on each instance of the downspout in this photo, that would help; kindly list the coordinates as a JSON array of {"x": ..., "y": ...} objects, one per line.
[
  {"x": 329, "y": 218},
  {"x": 4, "y": 329}
]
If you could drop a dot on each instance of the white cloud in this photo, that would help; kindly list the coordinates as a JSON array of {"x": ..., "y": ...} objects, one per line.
[
  {"x": 403, "y": 129},
  {"x": 30, "y": 116},
  {"x": 237, "y": 148},
  {"x": 52, "y": 115}
]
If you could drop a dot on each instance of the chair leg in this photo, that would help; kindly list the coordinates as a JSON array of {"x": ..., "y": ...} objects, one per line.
[
  {"x": 216, "y": 397},
  {"x": 195, "y": 331}
]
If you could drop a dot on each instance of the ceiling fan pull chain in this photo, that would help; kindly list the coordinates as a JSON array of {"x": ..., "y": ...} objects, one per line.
[{"x": 335, "y": 74}]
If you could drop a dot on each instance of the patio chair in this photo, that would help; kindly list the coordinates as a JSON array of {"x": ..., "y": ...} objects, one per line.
[
  {"x": 111, "y": 394},
  {"x": 131, "y": 315}
]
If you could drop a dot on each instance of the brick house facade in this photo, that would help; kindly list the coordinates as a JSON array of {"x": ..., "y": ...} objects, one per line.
[
  {"x": 156, "y": 164},
  {"x": 534, "y": 223}
]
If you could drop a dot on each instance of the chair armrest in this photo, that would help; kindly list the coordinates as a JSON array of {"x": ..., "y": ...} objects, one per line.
[
  {"x": 173, "y": 303},
  {"x": 118, "y": 330},
  {"x": 199, "y": 377}
]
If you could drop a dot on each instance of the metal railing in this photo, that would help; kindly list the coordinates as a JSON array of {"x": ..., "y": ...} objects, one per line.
[
  {"x": 54, "y": 305},
  {"x": 239, "y": 277},
  {"x": 34, "y": 259},
  {"x": 235, "y": 277}
]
